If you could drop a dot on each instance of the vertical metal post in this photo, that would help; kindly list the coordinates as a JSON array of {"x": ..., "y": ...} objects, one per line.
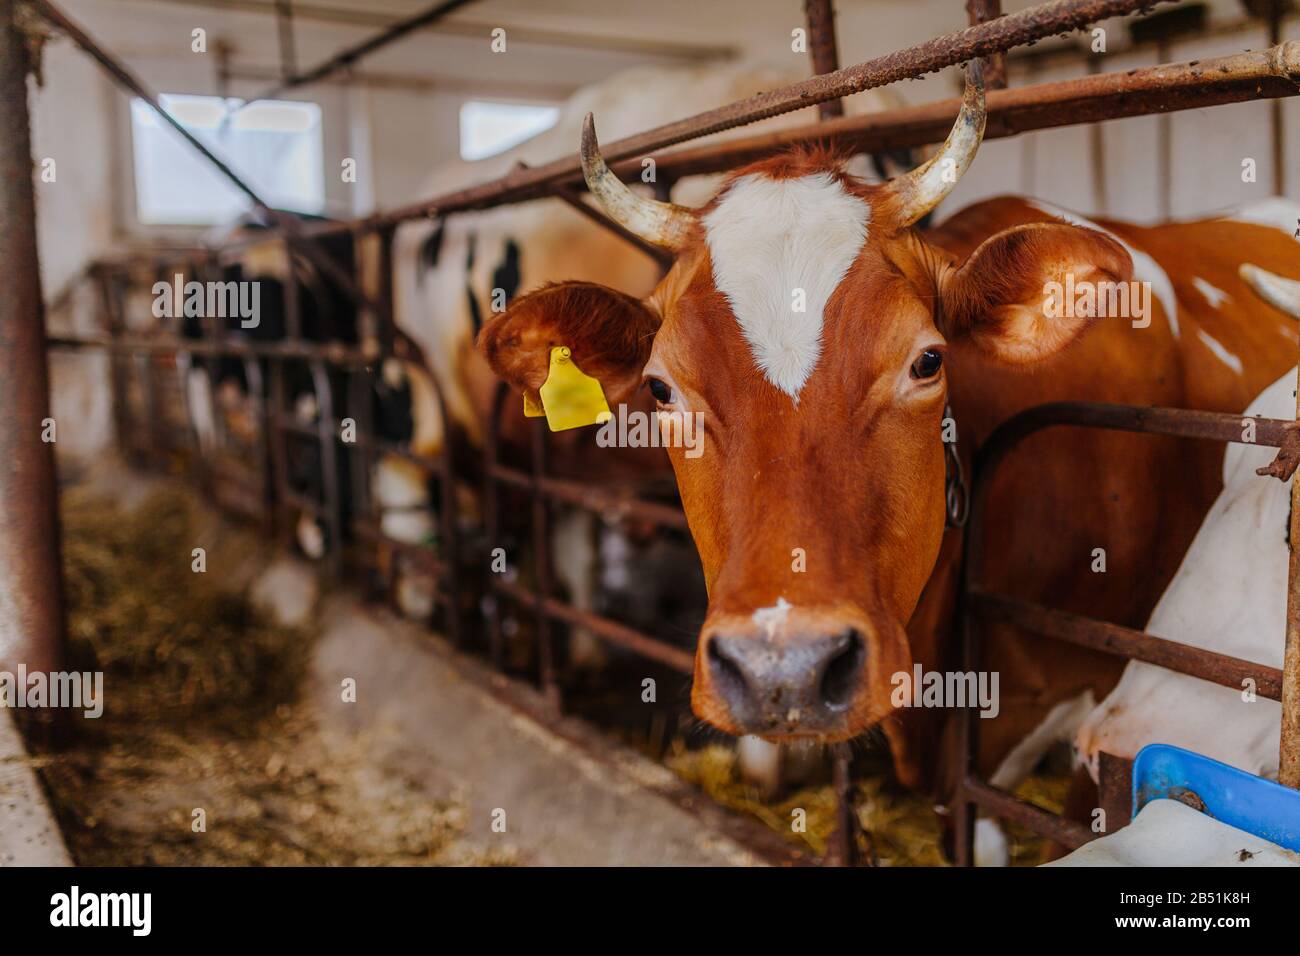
[
  {"x": 995, "y": 67},
  {"x": 1288, "y": 772},
  {"x": 843, "y": 847},
  {"x": 1097, "y": 151},
  {"x": 32, "y": 625},
  {"x": 1277, "y": 127},
  {"x": 448, "y": 583},
  {"x": 326, "y": 422},
  {"x": 821, "y": 47},
  {"x": 492, "y": 522},
  {"x": 542, "y": 567},
  {"x": 1164, "y": 148},
  {"x": 284, "y": 28}
]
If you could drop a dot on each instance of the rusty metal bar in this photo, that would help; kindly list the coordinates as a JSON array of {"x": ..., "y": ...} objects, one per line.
[
  {"x": 1288, "y": 773},
  {"x": 601, "y": 500},
  {"x": 995, "y": 66},
  {"x": 842, "y": 847},
  {"x": 333, "y": 353},
  {"x": 820, "y": 15},
  {"x": 980, "y": 40},
  {"x": 574, "y": 199},
  {"x": 1237, "y": 78},
  {"x": 326, "y": 424},
  {"x": 619, "y": 634},
  {"x": 32, "y": 628},
  {"x": 1116, "y": 790},
  {"x": 1014, "y": 810},
  {"x": 1221, "y": 669},
  {"x": 123, "y": 75},
  {"x": 349, "y": 56},
  {"x": 284, "y": 32},
  {"x": 1276, "y": 9},
  {"x": 492, "y": 524},
  {"x": 541, "y": 526},
  {"x": 1241, "y": 77}
]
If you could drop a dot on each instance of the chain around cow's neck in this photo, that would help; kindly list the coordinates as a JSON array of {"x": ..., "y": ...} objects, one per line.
[{"x": 956, "y": 496}]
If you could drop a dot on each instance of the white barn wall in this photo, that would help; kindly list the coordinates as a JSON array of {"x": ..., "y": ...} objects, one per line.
[{"x": 71, "y": 124}]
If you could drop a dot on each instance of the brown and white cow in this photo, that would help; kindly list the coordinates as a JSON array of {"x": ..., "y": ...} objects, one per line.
[{"x": 820, "y": 336}]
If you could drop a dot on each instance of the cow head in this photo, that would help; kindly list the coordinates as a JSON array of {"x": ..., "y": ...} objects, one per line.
[{"x": 806, "y": 322}]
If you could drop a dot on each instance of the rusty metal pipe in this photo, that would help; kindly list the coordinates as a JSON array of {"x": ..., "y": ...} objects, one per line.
[
  {"x": 1288, "y": 773},
  {"x": 348, "y": 57},
  {"x": 1011, "y": 808},
  {"x": 600, "y": 500},
  {"x": 32, "y": 625},
  {"x": 980, "y": 40},
  {"x": 1237, "y": 78},
  {"x": 820, "y": 15},
  {"x": 1241, "y": 77},
  {"x": 619, "y": 634},
  {"x": 995, "y": 66},
  {"x": 1222, "y": 669}
]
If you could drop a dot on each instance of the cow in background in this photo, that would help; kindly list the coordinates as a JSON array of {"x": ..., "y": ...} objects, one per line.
[
  {"x": 1229, "y": 596},
  {"x": 217, "y": 389}
]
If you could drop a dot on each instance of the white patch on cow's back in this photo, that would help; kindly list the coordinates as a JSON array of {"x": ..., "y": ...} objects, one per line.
[
  {"x": 1060, "y": 724},
  {"x": 1217, "y": 347},
  {"x": 1213, "y": 294},
  {"x": 770, "y": 618},
  {"x": 1145, "y": 268},
  {"x": 1275, "y": 211},
  {"x": 767, "y": 238}
]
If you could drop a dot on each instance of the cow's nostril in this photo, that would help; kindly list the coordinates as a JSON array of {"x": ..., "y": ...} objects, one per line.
[
  {"x": 843, "y": 672},
  {"x": 728, "y": 677}
]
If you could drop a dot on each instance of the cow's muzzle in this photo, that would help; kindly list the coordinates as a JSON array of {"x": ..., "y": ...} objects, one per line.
[{"x": 792, "y": 684}]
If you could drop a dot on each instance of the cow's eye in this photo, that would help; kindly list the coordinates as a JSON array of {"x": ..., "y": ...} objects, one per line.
[
  {"x": 660, "y": 390},
  {"x": 927, "y": 364}
]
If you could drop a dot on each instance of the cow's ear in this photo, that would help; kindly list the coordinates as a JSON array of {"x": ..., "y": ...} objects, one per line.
[
  {"x": 608, "y": 333},
  {"x": 1008, "y": 296}
]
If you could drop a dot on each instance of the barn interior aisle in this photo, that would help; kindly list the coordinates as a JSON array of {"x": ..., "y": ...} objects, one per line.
[{"x": 425, "y": 448}]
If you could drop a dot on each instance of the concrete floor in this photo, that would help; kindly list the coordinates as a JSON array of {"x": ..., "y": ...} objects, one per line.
[
  {"x": 445, "y": 722},
  {"x": 438, "y": 719},
  {"x": 28, "y": 834}
]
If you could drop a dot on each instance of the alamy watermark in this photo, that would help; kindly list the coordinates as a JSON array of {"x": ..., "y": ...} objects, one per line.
[
  {"x": 662, "y": 429},
  {"x": 73, "y": 690},
  {"x": 922, "y": 688},
  {"x": 1098, "y": 300},
  {"x": 217, "y": 300}
]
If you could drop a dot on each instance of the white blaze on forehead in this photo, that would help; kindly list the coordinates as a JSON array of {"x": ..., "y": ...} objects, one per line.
[{"x": 771, "y": 237}]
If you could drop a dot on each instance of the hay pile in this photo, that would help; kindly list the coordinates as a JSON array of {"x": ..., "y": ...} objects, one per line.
[
  {"x": 904, "y": 827},
  {"x": 203, "y": 711}
]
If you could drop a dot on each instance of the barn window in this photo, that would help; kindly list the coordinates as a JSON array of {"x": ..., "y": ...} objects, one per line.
[
  {"x": 274, "y": 145},
  {"x": 488, "y": 128}
]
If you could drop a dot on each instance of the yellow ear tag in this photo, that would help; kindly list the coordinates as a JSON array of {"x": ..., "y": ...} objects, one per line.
[{"x": 570, "y": 398}]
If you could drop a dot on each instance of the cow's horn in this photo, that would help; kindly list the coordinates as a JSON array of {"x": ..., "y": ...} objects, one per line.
[
  {"x": 663, "y": 223},
  {"x": 1277, "y": 291},
  {"x": 919, "y": 191}
]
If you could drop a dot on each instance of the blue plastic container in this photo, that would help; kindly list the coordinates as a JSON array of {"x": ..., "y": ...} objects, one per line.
[{"x": 1261, "y": 807}]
